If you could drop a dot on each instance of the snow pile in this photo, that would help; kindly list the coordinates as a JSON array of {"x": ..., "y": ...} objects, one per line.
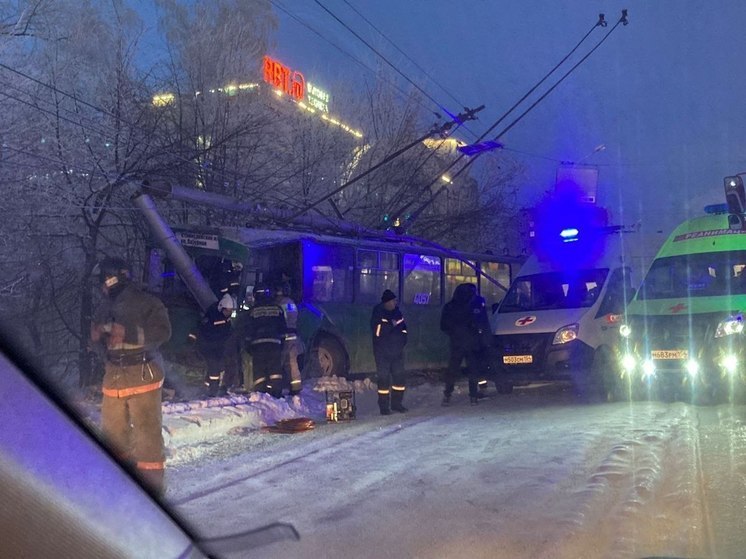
[
  {"x": 198, "y": 422},
  {"x": 340, "y": 384}
]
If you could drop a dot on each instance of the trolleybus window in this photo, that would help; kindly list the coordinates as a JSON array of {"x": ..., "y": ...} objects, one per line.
[
  {"x": 421, "y": 279},
  {"x": 377, "y": 271},
  {"x": 327, "y": 272},
  {"x": 457, "y": 272},
  {"x": 498, "y": 272}
]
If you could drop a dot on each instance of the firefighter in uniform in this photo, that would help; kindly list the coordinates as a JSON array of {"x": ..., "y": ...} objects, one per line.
[
  {"x": 292, "y": 346},
  {"x": 263, "y": 331},
  {"x": 214, "y": 343},
  {"x": 465, "y": 322},
  {"x": 130, "y": 324},
  {"x": 389, "y": 338}
]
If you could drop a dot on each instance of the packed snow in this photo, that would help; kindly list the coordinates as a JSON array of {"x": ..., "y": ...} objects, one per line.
[{"x": 531, "y": 474}]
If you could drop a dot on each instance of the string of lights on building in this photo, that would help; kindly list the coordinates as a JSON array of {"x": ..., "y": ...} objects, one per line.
[{"x": 284, "y": 83}]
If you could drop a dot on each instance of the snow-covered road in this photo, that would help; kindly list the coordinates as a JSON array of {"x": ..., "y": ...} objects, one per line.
[{"x": 532, "y": 474}]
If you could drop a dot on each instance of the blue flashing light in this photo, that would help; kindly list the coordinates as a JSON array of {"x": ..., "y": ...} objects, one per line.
[
  {"x": 569, "y": 235},
  {"x": 716, "y": 209}
]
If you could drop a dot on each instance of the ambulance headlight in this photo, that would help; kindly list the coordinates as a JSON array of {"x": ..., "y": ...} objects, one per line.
[
  {"x": 692, "y": 367},
  {"x": 629, "y": 363},
  {"x": 648, "y": 368},
  {"x": 625, "y": 330},
  {"x": 565, "y": 334},
  {"x": 729, "y": 326},
  {"x": 730, "y": 363}
]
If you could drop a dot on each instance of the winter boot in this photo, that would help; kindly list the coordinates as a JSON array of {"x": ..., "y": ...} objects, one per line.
[
  {"x": 383, "y": 404},
  {"x": 396, "y": 398},
  {"x": 473, "y": 400},
  {"x": 446, "y": 400}
]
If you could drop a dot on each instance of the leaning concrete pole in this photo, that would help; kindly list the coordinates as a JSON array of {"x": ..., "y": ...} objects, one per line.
[{"x": 184, "y": 265}]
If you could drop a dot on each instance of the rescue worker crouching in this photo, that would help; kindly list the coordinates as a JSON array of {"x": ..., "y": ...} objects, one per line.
[
  {"x": 389, "y": 338},
  {"x": 214, "y": 342},
  {"x": 263, "y": 330},
  {"x": 292, "y": 348},
  {"x": 131, "y": 324}
]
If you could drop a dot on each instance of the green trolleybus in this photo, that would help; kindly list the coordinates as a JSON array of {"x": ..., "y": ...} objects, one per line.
[{"x": 336, "y": 281}]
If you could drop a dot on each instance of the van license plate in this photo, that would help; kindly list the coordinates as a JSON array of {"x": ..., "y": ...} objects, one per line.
[
  {"x": 669, "y": 354},
  {"x": 514, "y": 359}
]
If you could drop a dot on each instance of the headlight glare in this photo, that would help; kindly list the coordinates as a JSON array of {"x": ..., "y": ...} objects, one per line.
[
  {"x": 692, "y": 367},
  {"x": 729, "y": 326},
  {"x": 625, "y": 330},
  {"x": 648, "y": 368},
  {"x": 730, "y": 363},
  {"x": 565, "y": 334},
  {"x": 629, "y": 362}
]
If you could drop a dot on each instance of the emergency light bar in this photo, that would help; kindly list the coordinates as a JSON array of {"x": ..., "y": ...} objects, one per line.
[{"x": 569, "y": 235}]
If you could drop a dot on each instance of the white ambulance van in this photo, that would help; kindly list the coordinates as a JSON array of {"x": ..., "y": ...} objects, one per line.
[{"x": 559, "y": 321}]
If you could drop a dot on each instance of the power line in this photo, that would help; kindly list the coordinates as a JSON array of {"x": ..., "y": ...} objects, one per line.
[
  {"x": 393, "y": 44},
  {"x": 382, "y": 57},
  {"x": 404, "y": 95},
  {"x": 442, "y": 129},
  {"x": 601, "y": 22}
]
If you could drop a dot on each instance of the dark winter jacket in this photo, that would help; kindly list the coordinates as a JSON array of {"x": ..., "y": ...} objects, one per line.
[
  {"x": 214, "y": 331},
  {"x": 463, "y": 318},
  {"x": 263, "y": 323},
  {"x": 389, "y": 331}
]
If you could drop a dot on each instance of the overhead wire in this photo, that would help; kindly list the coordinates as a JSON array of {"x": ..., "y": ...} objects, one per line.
[
  {"x": 381, "y": 56},
  {"x": 600, "y": 23},
  {"x": 414, "y": 62},
  {"x": 404, "y": 95}
]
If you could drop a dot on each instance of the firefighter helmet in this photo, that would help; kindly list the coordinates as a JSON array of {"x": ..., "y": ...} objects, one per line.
[
  {"x": 226, "y": 303},
  {"x": 112, "y": 271}
]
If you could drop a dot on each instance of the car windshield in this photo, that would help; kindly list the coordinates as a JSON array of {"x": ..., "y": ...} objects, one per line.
[
  {"x": 294, "y": 261},
  {"x": 695, "y": 275},
  {"x": 554, "y": 290}
]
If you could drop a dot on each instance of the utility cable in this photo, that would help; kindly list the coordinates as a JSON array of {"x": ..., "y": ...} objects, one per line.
[
  {"x": 416, "y": 65},
  {"x": 600, "y": 23},
  {"x": 381, "y": 56},
  {"x": 622, "y": 20},
  {"x": 402, "y": 93},
  {"x": 468, "y": 115}
]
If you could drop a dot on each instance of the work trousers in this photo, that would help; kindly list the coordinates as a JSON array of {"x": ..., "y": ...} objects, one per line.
[
  {"x": 266, "y": 359},
  {"x": 131, "y": 418},
  {"x": 473, "y": 370},
  {"x": 390, "y": 378},
  {"x": 291, "y": 349},
  {"x": 222, "y": 366}
]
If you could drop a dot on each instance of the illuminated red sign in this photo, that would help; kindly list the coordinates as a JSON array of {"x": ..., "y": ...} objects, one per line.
[{"x": 283, "y": 78}]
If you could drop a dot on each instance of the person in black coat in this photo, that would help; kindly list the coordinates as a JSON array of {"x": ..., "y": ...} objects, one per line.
[
  {"x": 464, "y": 320},
  {"x": 213, "y": 343},
  {"x": 389, "y": 333}
]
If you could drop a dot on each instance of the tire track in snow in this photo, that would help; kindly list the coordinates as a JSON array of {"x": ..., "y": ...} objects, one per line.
[
  {"x": 322, "y": 446},
  {"x": 608, "y": 515}
]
